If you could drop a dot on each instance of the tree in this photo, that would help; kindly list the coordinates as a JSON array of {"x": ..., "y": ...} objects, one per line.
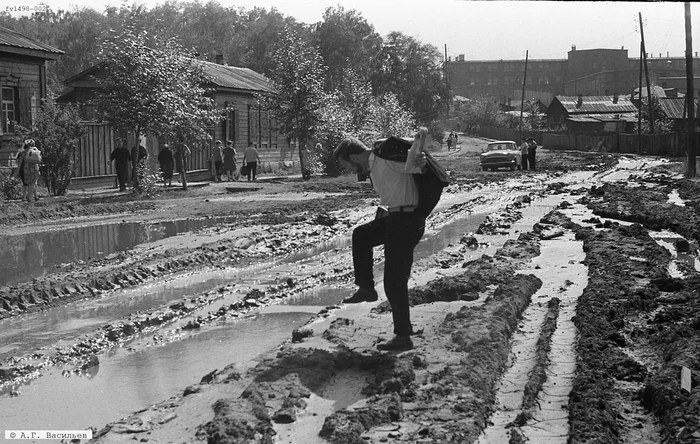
[
  {"x": 56, "y": 131},
  {"x": 662, "y": 124},
  {"x": 346, "y": 41},
  {"x": 480, "y": 111},
  {"x": 413, "y": 72},
  {"x": 355, "y": 112},
  {"x": 153, "y": 86},
  {"x": 298, "y": 77}
]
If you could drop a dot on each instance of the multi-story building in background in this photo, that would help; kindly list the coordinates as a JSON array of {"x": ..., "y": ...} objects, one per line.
[{"x": 588, "y": 72}]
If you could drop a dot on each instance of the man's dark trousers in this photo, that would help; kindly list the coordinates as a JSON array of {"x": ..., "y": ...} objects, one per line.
[{"x": 399, "y": 232}]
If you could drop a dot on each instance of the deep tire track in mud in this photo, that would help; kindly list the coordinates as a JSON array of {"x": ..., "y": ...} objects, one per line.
[{"x": 637, "y": 327}]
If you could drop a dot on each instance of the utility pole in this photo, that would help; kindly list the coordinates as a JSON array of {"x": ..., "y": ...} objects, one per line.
[
  {"x": 522, "y": 98},
  {"x": 646, "y": 73},
  {"x": 690, "y": 94},
  {"x": 447, "y": 82},
  {"x": 639, "y": 114}
]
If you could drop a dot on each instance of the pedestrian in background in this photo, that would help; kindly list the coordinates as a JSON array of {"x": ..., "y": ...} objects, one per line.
[
  {"x": 524, "y": 146},
  {"x": 229, "y": 167},
  {"x": 217, "y": 157},
  {"x": 532, "y": 153},
  {"x": 182, "y": 151},
  {"x": 399, "y": 230},
  {"x": 251, "y": 159},
  {"x": 167, "y": 165},
  {"x": 122, "y": 158},
  {"x": 31, "y": 159}
]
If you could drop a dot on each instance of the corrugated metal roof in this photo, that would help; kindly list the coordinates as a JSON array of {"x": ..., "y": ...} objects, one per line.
[
  {"x": 675, "y": 107},
  {"x": 656, "y": 90},
  {"x": 12, "y": 39},
  {"x": 237, "y": 78},
  {"x": 625, "y": 117},
  {"x": 596, "y": 104}
]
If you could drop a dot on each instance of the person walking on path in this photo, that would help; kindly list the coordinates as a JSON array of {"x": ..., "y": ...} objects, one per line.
[
  {"x": 532, "y": 153},
  {"x": 524, "y": 146},
  {"x": 251, "y": 159},
  {"x": 122, "y": 158},
  {"x": 217, "y": 158},
  {"x": 399, "y": 230},
  {"x": 167, "y": 165},
  {"x": 229, "y": 167}
]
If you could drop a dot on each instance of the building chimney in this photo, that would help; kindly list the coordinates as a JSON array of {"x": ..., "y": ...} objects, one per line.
[
  {"x": 579, "y": 102},
  {"x": 573, "y": 47},
  {"x": 461, "y": 57},
  {"x": 667, "y": 54},
  {"x": 616, "y": 96},
  {"x": 622, "y": 47},
  {"x": 220, "y": 59}
]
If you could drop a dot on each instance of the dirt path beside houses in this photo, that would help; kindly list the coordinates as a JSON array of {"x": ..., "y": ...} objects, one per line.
[{"x": 589, "y": 291}]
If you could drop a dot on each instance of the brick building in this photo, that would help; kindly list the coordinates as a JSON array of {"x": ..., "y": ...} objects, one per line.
[{"x": 588, "y": 72}]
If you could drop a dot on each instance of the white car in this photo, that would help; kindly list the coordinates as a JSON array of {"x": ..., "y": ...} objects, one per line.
[{"x": 500, "y": 154}]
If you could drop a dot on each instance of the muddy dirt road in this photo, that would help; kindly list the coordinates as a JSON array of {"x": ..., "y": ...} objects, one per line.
[{"x": 555, "y": 306}]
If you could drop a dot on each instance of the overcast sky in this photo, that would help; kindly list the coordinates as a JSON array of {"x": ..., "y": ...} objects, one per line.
[{"x": 493, "y": 30}]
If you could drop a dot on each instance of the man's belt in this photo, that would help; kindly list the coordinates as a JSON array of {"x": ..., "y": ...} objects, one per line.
[{"x": 402, "y": 209}]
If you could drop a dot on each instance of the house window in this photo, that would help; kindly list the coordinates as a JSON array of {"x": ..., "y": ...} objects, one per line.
[{"x": 9, "y": 113}]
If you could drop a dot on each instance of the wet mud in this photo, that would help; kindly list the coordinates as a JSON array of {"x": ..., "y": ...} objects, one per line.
[{"x": 637, "y": 326}]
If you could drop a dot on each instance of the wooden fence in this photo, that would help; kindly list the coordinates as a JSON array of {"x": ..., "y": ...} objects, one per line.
[
  {"x": 93, "y": 151},
  {"x": 667, "y": 144}
]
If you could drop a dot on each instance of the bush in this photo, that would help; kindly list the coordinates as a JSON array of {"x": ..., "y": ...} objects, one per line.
[
  {"x": 11, "y": 187},
  {"x": 146, "y": 181},
  {"x": 436, "y": 131}
]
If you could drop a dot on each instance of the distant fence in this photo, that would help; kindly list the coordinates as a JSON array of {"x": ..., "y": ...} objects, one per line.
[{"x": 666, "y": 144}]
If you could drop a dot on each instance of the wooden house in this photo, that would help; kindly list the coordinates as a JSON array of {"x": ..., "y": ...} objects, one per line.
[
  {"x": 234, "y": 92},
  {"x": 592, "y": 114},
  {"x": 23, "y": 85}
]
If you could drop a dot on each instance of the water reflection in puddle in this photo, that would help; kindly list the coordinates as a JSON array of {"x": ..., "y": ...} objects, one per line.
[
  {"x": 27, "y": 256},
  {"x": 36, "y": 330},
  {"x": 120, "y": 386}
]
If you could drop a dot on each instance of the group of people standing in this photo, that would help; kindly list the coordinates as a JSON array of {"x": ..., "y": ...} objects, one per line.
[
  {"x": 528, "y": 153},
  {"x": 124, "y": 159},
  {"x": 225, "y": 162},
  {"x": 172, "y": 162}
]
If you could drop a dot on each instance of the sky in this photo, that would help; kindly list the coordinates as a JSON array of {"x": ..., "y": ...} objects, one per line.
[{"x": 491, "y": 30}]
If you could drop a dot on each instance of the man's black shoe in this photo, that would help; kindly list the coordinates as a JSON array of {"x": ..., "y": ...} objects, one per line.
[
  {"x": 399, "y": 343},
  {"x": 362, "y": 295}
]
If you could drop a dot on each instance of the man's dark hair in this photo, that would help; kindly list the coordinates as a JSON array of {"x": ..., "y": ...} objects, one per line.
[{"x": 349, "y": 146}]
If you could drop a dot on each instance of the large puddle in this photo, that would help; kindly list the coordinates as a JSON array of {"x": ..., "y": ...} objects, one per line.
[{"x": 27, "y": 256}]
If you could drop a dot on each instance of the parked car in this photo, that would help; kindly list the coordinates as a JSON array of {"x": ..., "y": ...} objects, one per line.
[{"x": 500, "y": 154}]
